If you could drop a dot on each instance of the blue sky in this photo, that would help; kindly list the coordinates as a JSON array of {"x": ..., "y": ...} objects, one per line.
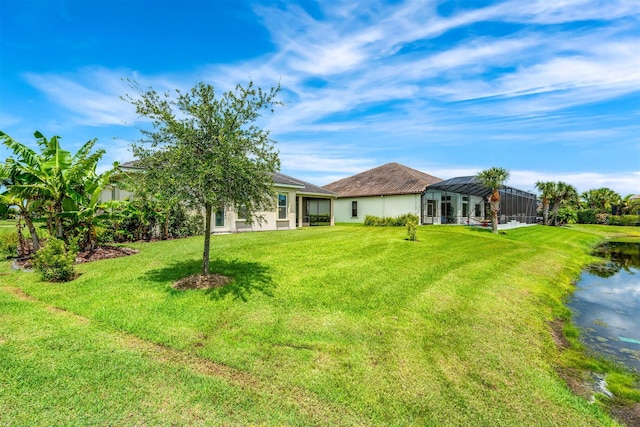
[{"x": 547, "y": 89}]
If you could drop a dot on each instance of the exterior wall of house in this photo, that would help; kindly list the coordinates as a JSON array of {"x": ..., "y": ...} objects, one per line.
[
  {"x": 380, "y": 206},
  {"x": 114, "y": 193},
  {"x": 227, "y": 221}
]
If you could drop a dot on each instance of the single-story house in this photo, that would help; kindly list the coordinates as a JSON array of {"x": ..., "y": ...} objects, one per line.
[
  {"x": 298, "y": 204},
  {"x": 386, "y": 191},
  {"x": 392, "y": 190}
]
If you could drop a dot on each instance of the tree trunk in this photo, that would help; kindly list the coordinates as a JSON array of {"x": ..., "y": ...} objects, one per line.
[
  {"x": 165, "y": 233},
  {"x": 556, "y": 208},
  {"x": 32, "y": 231},
  {"x": 495, "y": 208},
  {"x": 207, "y": 239},
  {"x": 545, "y": 211},
  {"x": 57, "y": 210}
]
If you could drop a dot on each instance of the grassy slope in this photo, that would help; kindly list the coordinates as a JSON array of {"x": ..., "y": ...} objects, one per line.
[{"x": 350, "y": 325}]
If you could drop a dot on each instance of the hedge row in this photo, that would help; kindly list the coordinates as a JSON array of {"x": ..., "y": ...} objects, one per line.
[{"x": 400, "y": 221}]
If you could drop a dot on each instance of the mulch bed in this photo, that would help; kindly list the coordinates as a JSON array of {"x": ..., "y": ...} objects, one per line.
[
  {"x": 199, "y": 281},
  {"x": 103, "y": 252}
]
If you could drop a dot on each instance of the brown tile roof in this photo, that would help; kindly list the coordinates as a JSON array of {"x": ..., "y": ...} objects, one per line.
[{"x": 385, "y": 180}]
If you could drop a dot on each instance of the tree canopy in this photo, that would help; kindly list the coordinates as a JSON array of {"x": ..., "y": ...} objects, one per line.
[{"x": 207, "y": 150}]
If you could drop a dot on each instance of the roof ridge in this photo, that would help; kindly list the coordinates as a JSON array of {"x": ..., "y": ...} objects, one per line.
[
  {"x": 387, "y": 179},
  {"x": 412, "y": 172}
]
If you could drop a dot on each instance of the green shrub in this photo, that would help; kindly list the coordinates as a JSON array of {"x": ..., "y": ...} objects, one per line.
[
  {"x": 319, "y": 219},
  {"x": 55, "y": 262},
  {"x": 183, "y": 223},
  {"x": 9, "y": 244},
  {"x": 371, "y": 220},
  {"x": 567, "y": 216},
  {"x": 104, "y": 235},
  {"x": 400, "y": 221},
  {"x": 624, "y": 220},
  {"x": 587, "y": 216}
]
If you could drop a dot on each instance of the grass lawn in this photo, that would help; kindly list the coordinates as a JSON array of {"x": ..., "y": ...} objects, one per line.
[{"x": 321, "y": 326}]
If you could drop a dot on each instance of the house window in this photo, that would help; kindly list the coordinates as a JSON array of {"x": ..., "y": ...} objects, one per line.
[
  {"x": 220, "y": 217},
  {"x": 354, "y": 209},
  {"x": 243, "y": 214},
  {"x": 283, "y": 210}
]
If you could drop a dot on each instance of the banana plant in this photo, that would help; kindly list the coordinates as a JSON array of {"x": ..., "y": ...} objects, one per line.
[
  {"x": 90, "y": 212},
  {"x": 53, "y": 174}
]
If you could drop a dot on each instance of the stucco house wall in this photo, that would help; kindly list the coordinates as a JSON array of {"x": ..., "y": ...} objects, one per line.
[
  {"x": 232, "y": 223},
  {"x": 295, "y": 193}
]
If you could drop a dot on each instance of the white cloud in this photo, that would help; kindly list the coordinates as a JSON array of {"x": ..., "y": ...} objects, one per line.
[
  {"x": 378, "y": 73},
  {"x": 622, "y": 182},
  {"x": 92, "y": 95}
]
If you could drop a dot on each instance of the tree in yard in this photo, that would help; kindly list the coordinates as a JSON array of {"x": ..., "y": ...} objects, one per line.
[
  {"x": 603, "y": 200},
  {"x": 564, "y": 194},
  {"x": 208, "y": 150},
  {"x": 90, "y": 213},
  {"x": 493, "y": 179},
  {"x": 547, "y": 189},
  {"x": 631, "y": 205},
  {"x": 53, "y": 175}
]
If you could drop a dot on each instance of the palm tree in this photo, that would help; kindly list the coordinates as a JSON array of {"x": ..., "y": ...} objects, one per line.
[
  {"x": 547, "y": 189},
  {"x": 564, "y": 194},
  {"x": 631, "y": 205},
  {"x": 493, "y": 179}
]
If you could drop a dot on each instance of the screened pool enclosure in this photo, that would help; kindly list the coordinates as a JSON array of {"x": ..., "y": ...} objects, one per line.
[{"x": 463, "y": 200}]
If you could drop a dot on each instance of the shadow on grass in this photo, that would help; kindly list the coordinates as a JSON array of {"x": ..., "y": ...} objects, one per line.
[{"x": 246, "y": 277}]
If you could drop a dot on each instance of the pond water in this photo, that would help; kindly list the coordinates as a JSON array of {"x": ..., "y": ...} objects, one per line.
[{"x": 606, "y": 304}]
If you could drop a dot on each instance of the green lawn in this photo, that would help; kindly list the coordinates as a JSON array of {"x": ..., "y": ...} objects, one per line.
[{"x": 321, "y": 326}]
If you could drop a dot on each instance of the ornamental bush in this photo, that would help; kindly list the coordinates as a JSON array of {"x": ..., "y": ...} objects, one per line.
[
  {"x": 400, "y": 221},
  {"x": 55, "y": 262},
  {"x": 9, "y": 244},
  {"x": 624, "y": 220},
  {"x": 587, "y": 216}
]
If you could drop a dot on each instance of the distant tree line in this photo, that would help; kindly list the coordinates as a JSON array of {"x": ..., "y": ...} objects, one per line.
[{"x": 561, "y": 204}]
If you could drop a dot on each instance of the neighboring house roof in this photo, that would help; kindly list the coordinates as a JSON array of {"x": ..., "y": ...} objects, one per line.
[
  {"x": 634, "y": 197},
  {"x": 385, "y": 180},
  {"x": 131, "y": 165},
  {"x": 303, "y": 186}
]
